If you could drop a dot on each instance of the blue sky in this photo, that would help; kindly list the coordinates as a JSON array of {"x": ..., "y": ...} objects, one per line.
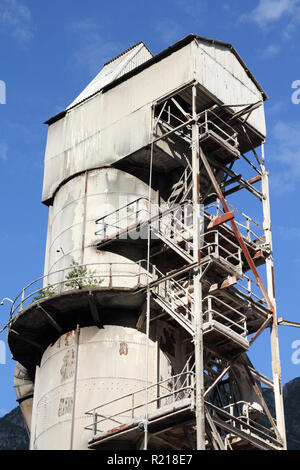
[{"x": 50, "y": 51}]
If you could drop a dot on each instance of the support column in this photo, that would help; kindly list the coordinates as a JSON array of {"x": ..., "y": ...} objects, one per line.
[
  {"x": 198, "y": 318},
  {"x": 276, "y": 367}
]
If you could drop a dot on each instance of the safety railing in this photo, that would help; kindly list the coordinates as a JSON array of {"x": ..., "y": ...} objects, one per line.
[
  {"x": 135, "y": 404},
  {"x": 251, "y": 230},
  {"x": 209, "y": 121},
  {"x": 246, "y": 414},
  {"x": 174, "y": 222},
  {"x": 177, "y": 296},
  {"x": 78, "y": 276},
  {"x": 250, "y": 289},
  {"x": 218, "y": 245},
  {"x": 124, "y": 218},
  {"x": 181, "y": 189},
  {"x": 175, "y": 225},
  {"x": 219, "y": 311}
]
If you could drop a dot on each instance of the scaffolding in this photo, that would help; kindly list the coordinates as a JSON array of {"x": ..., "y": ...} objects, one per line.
[{"x": 211, "y": 288}]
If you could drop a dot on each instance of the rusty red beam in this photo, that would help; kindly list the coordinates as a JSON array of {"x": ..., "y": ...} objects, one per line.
[
  {"x": 221, "y": 219},
  {"x": 241, "y": 186},
  {"x": 255, "y": 179},
  {"x": 230, "y": 281},
  {"x": 236, "y": 231}
]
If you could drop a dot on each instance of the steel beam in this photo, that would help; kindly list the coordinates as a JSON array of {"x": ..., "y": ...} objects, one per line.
[
  {"x": 198, "y": 318},
  {"x": 276, "y": 367}
]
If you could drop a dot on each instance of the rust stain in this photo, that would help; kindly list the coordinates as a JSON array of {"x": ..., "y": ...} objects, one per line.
[
  {"x": 66, "y": 340},
  {"x": 69, "y": 338},
  {"x": 65, "y": 406},
  {"x": 117, "y": 429},
  {"x": 67, "y": 369},
  {"x": 123, "y": 349}
]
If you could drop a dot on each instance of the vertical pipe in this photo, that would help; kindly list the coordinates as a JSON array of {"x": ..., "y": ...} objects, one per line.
[
  {"x": 276, "y": 367},
  {"x": 74, "y": 387},
  {"x": 94, "y": 423},
  {"x": 148, "y": 312},
  {"x": 84, "y": 218},
  {"x": 198, "y": 320}
]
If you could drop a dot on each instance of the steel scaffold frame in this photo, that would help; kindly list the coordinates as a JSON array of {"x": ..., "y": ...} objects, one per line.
[
  {"x": 209, "y": 424},
  {"x": 269, "y": 293}
]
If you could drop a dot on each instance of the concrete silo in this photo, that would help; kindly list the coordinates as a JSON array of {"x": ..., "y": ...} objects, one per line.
[{"x": 136, "y": 335}]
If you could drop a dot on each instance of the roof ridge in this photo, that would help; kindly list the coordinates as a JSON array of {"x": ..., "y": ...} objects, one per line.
[{"x": 125, "y": 52}]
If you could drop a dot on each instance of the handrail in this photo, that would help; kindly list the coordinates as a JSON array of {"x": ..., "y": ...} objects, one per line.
[
  {"x": 252, "y": 426},
  {"x": 122, "y": 207},
  {"x": 21, "y": 298},
  {"x": 143, "y": 389},
  {"x": 248, "y": 222},
  {"x": 184, "y": 385},
  {"x": 212, "y": 308},
  {"x": 240, "y": 404},
  {"x": 209, "y": 121}
]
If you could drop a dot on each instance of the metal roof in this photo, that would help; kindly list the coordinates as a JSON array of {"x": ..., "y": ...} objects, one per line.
[
  {"x": 115, "y": 68},
  {"x": 121, "y": 70}
]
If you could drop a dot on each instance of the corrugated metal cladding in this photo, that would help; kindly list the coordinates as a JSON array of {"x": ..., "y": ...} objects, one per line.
[
  {"x": 114, "y": 69},
  {"x": 220, "y": 72},
  {"x": 112, "y": 125},
  {"x": 111, "y": 363}
]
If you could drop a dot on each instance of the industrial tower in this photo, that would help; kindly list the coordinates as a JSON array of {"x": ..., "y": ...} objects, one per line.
[{"x": 157, "y": 280}]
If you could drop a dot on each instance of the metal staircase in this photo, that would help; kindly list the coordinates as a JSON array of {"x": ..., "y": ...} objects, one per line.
[{"x": 213, "y": 291}]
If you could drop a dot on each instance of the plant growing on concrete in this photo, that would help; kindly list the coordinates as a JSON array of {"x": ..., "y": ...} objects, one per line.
[
  {"x": 45, "y": 292},
  {"x": 80, "y": 277}
]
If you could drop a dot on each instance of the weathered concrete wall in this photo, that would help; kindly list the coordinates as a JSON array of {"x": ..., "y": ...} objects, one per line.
[
  {"x": 76, "y": 206},
  {"x": 111, "y": 363}
]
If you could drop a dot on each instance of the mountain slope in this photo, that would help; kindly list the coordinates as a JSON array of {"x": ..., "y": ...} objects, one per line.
[{"x": 13, "y": 433}]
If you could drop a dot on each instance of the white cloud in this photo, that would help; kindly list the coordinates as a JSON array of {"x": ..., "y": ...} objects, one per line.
[
  {"x": 3, "y": 151},
  {"x": 268, "y": 11},
  {"x": 271, "y": 51},
  {"x": 285, "y": 157},
  {"x": 16, "y": 20},
  {"x": 93, "y": 50}
]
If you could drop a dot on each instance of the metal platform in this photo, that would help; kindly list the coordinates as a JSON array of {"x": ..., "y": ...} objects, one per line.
[{"x": 160, "y": 422}]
